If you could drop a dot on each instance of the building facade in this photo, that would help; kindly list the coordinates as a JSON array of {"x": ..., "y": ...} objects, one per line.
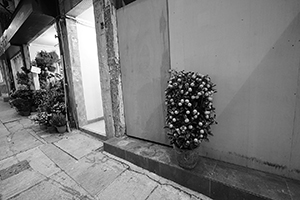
[{"x": 250, "y": 49}]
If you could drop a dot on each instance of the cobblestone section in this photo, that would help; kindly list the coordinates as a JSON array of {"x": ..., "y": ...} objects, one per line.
[{"x": 72, "y": 166}]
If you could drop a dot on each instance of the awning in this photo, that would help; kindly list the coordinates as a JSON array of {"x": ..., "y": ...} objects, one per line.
[{"x": 30, "y": 19}]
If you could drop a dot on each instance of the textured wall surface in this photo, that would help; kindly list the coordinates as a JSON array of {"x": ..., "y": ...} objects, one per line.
[
  {"x": 251, "y": 50},
  {"x": 144, "y": 53}
]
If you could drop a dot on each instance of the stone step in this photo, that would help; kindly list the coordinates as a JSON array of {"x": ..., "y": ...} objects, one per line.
[
  {"x": 4, "y": 97},
  {"x": 216, "y": 179}
]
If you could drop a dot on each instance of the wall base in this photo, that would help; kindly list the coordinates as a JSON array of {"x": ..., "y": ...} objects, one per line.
[{"x": 216, "y": 179}]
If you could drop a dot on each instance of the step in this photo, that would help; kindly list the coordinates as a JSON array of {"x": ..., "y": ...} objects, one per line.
[
  {"x": 216, "y": 179},
  {"x": 4, "y": 97}
]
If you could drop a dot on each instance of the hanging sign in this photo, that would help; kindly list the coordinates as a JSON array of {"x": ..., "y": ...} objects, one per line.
[{"x": 36, "y": 70}]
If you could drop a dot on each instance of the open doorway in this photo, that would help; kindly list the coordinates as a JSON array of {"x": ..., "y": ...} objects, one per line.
[{"x": 87, "y": 45}]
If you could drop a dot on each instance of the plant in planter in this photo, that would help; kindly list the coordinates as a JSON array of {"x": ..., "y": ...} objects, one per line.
[
  {"x": 59, "y": 121},
  {"x": 21, "y": 100},
  {"x": 190, "y": 113},
  {"x": 42, "y": 118}
]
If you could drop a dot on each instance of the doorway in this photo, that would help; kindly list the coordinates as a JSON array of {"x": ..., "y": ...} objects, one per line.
[{"x": 87, "y": 45}]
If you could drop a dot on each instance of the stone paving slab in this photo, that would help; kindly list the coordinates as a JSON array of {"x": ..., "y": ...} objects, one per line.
[
  {"x": 39, "y": 162},
  {"x": 94, "y": 177},
  {"x": 167, "y": 192},
  {"x": 5, "y": 150},
  {"x": 129, "y": 185},
  {"x": 9, "y": 115},
  {"x": 22, "y": 140},
  {"x": 19, "y": 182},
  {"x": 50, "y": 190},
  {"x": 78, "y": 145},
  {"x": 8, "y": 162},
  {"x": 70, "y": 185},
  {"x": 3, "y": 130},
  {"x": 14, "y": 169},
  {"x": 60, "y": 158}
]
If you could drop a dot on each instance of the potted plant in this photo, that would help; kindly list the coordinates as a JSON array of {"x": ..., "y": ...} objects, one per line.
[
  {"x": 190, "y": 114},
  {"x": 59, "y": 122},
  {"x": 21, "y": 100},
  {"x": 42, "y": 118}
]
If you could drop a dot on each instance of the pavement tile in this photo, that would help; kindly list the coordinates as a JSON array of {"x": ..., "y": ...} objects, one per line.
[
  {"x": 5, "y": 150},
  {"x": 50, "y": 190},
  {"x": 3, "y": 130},
  {"x": 46, "y": 136},
  {"x": 19, "y": 183},
  {"x": 167, "y": 192},
  {"x": 22, "y": 140},
  {"x": 78, "y": 145},
  {"x": 294, "y": 187},
  {"x": 63, "y": 179},
  {"x": 39, "y": 162},
  {"x": 129, "y": 185},
  {"x": 26, "y": 123},
  {"x": 60, "y": 158},
  {"x": 8, "y": 162},
  {"x": 9, "y": 115},
  {"x": 94, "y": 177}
]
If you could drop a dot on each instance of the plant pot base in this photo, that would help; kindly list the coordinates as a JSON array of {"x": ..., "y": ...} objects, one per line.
[
  {"x": 24, "y": 113},
  {"x": 187, "y": 159},
  {"x": 61, "y": 129}
]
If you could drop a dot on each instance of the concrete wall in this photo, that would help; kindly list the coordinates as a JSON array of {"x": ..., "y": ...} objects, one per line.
[
  {"x": 251, "y": 50},
  {"x": 90, "y": 68}
]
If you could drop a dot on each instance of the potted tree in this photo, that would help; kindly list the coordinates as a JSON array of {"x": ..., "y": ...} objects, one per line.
[
  {"x": 59, "y": 122},
  {"x": 190, "y": 114}
]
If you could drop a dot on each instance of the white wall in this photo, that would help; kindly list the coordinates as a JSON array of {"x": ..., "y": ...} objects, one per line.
[
  {"x": 251, "y": 49},
  {"x": 90, "y": 70},
  {"x": 34, "y": 48}
]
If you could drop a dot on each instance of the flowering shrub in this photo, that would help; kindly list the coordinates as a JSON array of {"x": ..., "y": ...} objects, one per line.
[
  {"x": 58, "y": 107},
  {"x": 190, "y": 111},
  {"x": 50, "y": 101},
  {"x": 42, "y": 118}
]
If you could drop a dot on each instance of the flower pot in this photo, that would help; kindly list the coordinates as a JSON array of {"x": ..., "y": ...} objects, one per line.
[
  {"x": 43, "y": 126},
  {"x": 187, "y": 159},
  {"x": 24, "y": 113},
  {"x": 61, "y": 129}
]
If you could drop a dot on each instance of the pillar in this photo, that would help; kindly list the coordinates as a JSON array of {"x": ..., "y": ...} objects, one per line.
[
  {"x": 67, "y": 32},
  {"x": 109, "y": 64}
]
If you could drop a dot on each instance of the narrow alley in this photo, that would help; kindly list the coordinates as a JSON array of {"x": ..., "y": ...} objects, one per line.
[{"x": 36, "y": 164}]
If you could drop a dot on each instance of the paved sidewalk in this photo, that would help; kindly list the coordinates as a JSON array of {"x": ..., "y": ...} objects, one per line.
[{"x": 36, "y": 164}]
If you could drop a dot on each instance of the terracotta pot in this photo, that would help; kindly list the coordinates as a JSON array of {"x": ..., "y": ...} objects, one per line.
[
  {"x": 187, "y": 159},
  {"x": 61, "y": 129}
]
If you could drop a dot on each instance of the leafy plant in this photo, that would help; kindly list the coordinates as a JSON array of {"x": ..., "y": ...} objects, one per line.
[
  {"x": 58, "y": 120},
  {"x": 45, "y": 61},
  {"x": 190, "y": 111},
  {"x": 21, "y": 99},
  {"x": 23, "y": 77},
  {"x": 42, "y": 118}
]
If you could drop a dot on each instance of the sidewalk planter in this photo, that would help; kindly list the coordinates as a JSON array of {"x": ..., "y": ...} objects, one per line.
[
  {"x": 190, "y": 113},
  {"x": 59, "y": 122},
  {"x": 187, "y": 159},
  {"x": 21, "y": 100},
  {"x": 61, "y": 129}
]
